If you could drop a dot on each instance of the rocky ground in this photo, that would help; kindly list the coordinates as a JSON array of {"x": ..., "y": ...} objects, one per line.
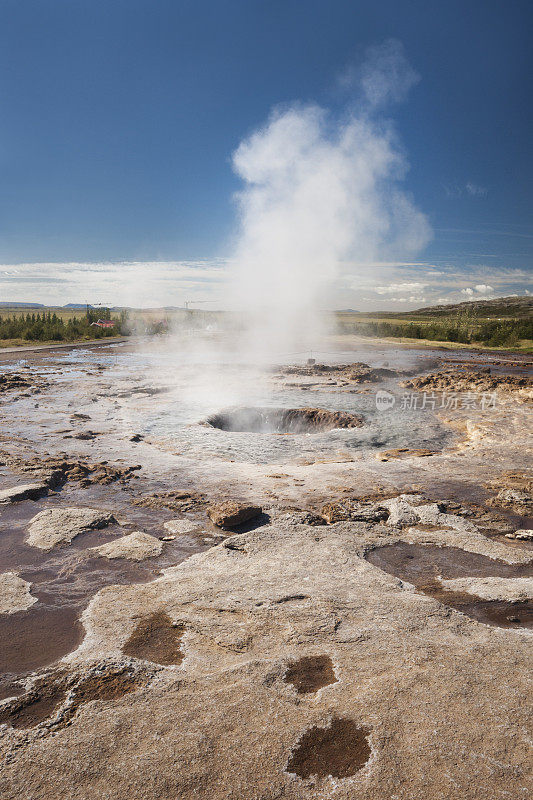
[
  {"x": 472, "y": 380},
  {"x": 344, "y": 624}
]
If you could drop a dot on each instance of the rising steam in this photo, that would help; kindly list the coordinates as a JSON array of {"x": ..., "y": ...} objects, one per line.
[{"x": 320, "y": 190}]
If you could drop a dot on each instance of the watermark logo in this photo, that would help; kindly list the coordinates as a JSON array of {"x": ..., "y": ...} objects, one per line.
[
  {"x": 384, "y": 400},
  {"x": 442, "y": 401},
  {"x": 448, "y": 401}
]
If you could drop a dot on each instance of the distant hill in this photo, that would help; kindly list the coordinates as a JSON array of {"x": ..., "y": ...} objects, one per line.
[
  {"x": 499, "y": 307},
  {"x": 21, "y": 305}
]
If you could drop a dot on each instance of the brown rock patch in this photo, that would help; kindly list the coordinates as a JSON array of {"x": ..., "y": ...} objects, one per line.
[
  {"x": 355, "y": 510},
  {"x": 455, "y": 380},
  {"x": 106, "y": 687},
  {"x": 339, "y": 751},
  {"x": 10, "y": 382},
  {"x": 514, "y": 479},
  {"x": 310, "y": 673},
  {"x": 406, "y": 452},
  {"x": 156, "y": 638},
  {"x": 358, "y": 372},
  {"x": 178, "y": 500},
  {"x": 515, "y": 500},
  {"x": 50, "y": 692},
  {"x": 229, "y": 514},
  {"x": 57, "y": 470},
  {"x": 35, "y": 707}
]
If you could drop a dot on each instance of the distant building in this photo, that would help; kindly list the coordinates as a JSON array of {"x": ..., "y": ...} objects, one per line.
[{"x": 104, "y": 323}]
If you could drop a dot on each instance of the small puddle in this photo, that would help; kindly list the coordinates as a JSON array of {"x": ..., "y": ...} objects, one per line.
[
  {"x": 338, "y": 751},
  {"x": 35, "y": 638},
  {"x": 157, "y": 639},
  {"x": 64, "y": 579},
  {"x": 39, "y": 704},
  {"x": 422, "y": 565},
  {"x": 502, "y": 613},
  {"x": 35, "y": 707},
  {"x": 310, "y": 673}
]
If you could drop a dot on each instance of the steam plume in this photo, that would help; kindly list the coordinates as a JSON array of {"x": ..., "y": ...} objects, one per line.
[{"x": 320, "y": 189}]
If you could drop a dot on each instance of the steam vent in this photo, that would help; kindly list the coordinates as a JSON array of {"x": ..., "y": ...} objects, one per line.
[{"x": 282, "y": 420}]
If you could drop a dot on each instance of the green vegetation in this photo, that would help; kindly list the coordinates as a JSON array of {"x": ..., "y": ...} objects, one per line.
[
  {"x": 56, "y": 326},
  {"x": 493, "y": 333},
  {"x": 504, "y": 322}
]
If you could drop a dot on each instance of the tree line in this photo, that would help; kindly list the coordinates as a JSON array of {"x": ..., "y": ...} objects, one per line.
[
  {"x": 47, "y": 326},
  {"x": 491, "y": 333}
]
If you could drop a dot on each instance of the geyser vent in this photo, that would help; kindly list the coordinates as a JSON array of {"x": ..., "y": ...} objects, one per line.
[{"x": 282, "y": 420}]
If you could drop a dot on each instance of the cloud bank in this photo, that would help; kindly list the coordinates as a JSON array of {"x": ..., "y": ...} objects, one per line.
[{"x": 362, "y": 286}]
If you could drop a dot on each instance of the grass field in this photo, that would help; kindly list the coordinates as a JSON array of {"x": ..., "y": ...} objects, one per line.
[
  {"x": 505, "y": 323},
  {"x": 64, "y": 313},
  {"x": 43, "y": 325},
  {"x": 502, "y": 324}
]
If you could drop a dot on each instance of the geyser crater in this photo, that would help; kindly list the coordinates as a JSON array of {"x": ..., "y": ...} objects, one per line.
[{"x": 244, "y": 419}]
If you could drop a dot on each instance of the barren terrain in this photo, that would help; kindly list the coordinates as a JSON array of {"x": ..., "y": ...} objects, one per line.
[{"x": 315, "y": 582}]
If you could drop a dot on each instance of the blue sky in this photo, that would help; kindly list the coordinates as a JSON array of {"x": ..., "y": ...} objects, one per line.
[{"x": 118, "y": 120}]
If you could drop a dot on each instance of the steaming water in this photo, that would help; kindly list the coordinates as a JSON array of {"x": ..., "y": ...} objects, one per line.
[
  {"x": 381, "y": 430},
  {"x": 180, "y": 393},
  {"x": 185, "y": 385}
]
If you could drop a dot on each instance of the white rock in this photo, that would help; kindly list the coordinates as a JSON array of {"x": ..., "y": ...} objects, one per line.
[
  {"x": 14, "y": 594},
  {"x": 513, "y": 496},
  {"x": 510, "y": 589},
  {"x": 430, "y": 514},
  {"x": 413, "y": 499},
  {"x": 401, "y": 513},
  {"x": 29, "y": 491},
  {"x": 525, "y": 535},
  {"x": 278, "y": 594},
  {"x": 57, "y": 525},
  {"x": 135, "y": 546},
  {"x": 180, "y": 526}
]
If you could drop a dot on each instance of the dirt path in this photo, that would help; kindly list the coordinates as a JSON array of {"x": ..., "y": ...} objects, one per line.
[{"x": 63, "y": 345}]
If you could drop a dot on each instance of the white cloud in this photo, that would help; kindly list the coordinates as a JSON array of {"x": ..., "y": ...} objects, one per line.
[
  {"x": 368, "y": 285},
  {"x": 385, "y": 285},
  {"x": 395, "y": 288},
  {"x": 134, "y": 283},
  {"x": 470, "y": 188},
  {"x": 480, "y": 288},
  {"x": 475, "y": 190}
]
